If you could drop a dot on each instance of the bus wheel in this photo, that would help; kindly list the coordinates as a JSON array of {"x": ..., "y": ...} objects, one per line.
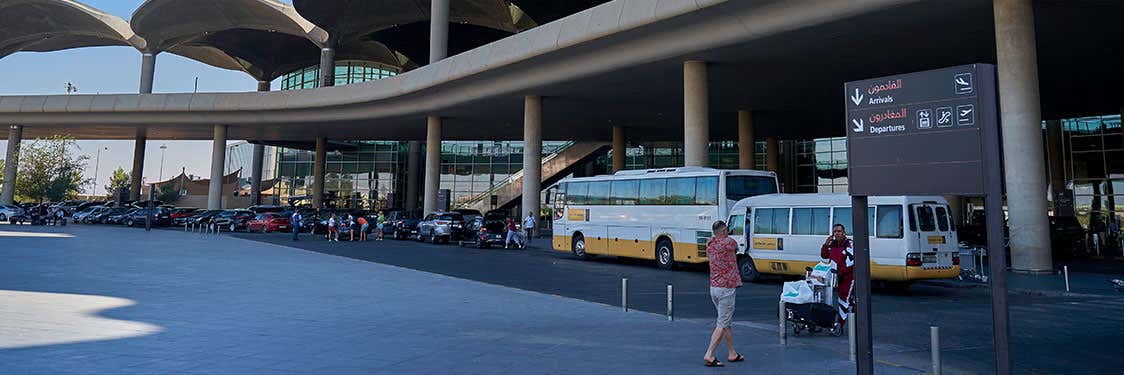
[
  {"x": 665, "y": 254},
  {"x": 747, "y": 269},
  {"x": 579, "y": 247}
]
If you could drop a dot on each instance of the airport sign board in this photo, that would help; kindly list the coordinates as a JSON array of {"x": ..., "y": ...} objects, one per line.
[{"x": 921, "y": 133}]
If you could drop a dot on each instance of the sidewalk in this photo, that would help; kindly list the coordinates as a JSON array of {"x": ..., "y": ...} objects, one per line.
[
  {"x": 1080, "y": 283},
  {"x": 217, "y": 304}
]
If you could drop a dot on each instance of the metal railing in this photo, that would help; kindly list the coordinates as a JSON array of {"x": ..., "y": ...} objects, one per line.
[{"x": 514, "y": 177}]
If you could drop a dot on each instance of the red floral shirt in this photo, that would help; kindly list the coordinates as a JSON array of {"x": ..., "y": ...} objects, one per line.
[{"x": 722, "y": 253}]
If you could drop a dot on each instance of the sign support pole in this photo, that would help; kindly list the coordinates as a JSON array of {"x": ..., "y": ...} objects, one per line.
[
  {"x": 860, "y": 306},
  {"x": 996, "y": 250}
]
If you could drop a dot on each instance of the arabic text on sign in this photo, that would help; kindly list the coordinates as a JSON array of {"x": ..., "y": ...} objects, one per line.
[
  {"x": 889, "y": 115},
  {"x": 889, "y": 85}
]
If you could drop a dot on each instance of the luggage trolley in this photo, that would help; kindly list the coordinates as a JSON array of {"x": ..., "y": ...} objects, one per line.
[{"x": 820, "y": 313}]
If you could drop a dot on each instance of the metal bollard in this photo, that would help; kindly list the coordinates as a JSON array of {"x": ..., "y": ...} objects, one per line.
[
  {"x": 670, "y": 312},
  {"x": 935, "y": 348},
  {"x": 851, "y": 336},
  {"x": 782, "y": 325},
  {"x": 624, "y": 294},
  {"x": 1065, "y": 269}
]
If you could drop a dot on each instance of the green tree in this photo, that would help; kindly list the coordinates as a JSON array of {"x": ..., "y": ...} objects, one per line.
[
  {"x": 117, "y": 180},
  {"x": 168, "y": 193},
  {"x": 49, "y": 170}
]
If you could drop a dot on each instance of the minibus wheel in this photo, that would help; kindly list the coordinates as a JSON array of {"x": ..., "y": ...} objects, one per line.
[
  {"x": 665, "y": 254},
  {"x": 747, "y": 269},
  {"x": 578, "y": 247}
]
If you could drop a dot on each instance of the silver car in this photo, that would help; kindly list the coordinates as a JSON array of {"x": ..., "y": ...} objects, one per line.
[
  {"x": 9, "y": 211},
  {"x": 438, "y": 226}
]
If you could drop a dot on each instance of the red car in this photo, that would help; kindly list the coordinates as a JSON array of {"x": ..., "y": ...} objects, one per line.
[{"x": 269, "y": 222}]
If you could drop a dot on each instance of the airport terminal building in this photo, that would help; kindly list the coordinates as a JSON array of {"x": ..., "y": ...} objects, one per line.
[{"x": 391, "y": 103}]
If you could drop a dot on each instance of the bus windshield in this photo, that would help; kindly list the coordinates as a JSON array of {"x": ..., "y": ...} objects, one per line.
[{"x": 741, "y": 187}]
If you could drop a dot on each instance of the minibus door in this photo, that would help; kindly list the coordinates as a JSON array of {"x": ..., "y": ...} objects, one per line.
[{"x": 933, "y": 236}]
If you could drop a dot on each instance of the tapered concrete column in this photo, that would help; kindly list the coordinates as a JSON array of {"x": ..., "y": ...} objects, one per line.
[
  {"x": 696, "y": 120},
  {"x": 148, "y": 72},
  {"x": 138, "y": 164},
  {"x": 438, "y": 30},
  {"x": 620, "y": 149},
  {"x": 746, "y": 141},
  {"x": 532, "y": 156},
  {"x": 11, "y": 164},
  {"x": 256, "y": 173},
  {"x": 327, "y": 67},
  {"x": 1021, "y": 126},
  {"x": 432, "y": 163},
  {"x": 218, "y": 160},
  {"x": 772, "y": 154},
  {"x": 318, "y": 167},
  {"x": 413, "y": 173}
]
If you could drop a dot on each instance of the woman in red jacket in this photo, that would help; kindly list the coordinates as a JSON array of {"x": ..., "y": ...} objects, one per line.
[{"x": 839, "y": 249}]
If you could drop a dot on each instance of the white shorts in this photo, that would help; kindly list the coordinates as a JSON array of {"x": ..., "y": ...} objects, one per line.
[{"x": 724, "y": 300}]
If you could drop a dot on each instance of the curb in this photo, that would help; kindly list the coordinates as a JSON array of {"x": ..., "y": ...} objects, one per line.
[{"x": 1027, "y": 292}]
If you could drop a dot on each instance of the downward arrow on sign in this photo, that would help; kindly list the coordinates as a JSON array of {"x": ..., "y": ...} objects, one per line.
[
  {"x": 859, "y": 125},
  {"x": 857, "y": 98}
]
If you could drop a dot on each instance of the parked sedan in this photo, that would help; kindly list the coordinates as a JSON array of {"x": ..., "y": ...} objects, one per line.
[
  {"x": 160, "y": 217},
  {"x": 102, "y": 216},
  {"x": 80, "y": 216},
  {"x": 181, "y": 214},
  {"x": 483, "y": 232},
  {"x": 403, "y": 224},
  {"x": 9, "y": 211},
  {"x": 233, "y": 220},
  {"x": 119, "y": 218},
  {"x": 269, "y": 222},
  {"x": 204, "y": 218},
  {"x": 437, "y": 227}
]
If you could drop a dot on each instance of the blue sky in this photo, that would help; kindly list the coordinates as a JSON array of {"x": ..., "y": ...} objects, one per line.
[{"x": 117, "y": 70}]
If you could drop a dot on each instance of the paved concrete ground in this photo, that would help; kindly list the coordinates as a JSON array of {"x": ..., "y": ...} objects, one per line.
[
  {"x": 1050, "y": 333},
  {"x": 83, "y": 299}
]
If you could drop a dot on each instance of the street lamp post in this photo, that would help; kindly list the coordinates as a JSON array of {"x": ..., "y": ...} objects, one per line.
[
  {"x": 97, "y": 160},
  {"x": 162, "y": 148}
]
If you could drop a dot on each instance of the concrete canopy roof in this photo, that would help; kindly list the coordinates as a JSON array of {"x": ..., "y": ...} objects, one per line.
[
  {"x": 611, "y": 64},
  {"x": 52, "y": 25},
  {"x": 348, "y": 19}
]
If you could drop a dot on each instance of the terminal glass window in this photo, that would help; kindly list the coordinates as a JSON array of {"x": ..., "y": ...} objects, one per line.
[
  {"x": 889, "y": 223},
  {"x": 598, "y": 193},
  {"x": 811, "y": 221},
  {"x": 653, "y": 191},
  {"x": 706, "y": 191},
  {"x": 625, "y": 192},
  {"x": 681, "y": 191}
]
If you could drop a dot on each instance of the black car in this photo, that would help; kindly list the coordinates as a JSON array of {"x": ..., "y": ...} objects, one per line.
[
  {"x": 233, "y": 220},
  {"x": 457, "y": 227},
  {"x": 482, "y": 232},
  {"x": 405, "y": 224},
  {"x": 203, "y": 218},
  {"x": 160, "y": 217},
  {"x": 102, "y": 216},
  {"x": 119, "y": 218}
]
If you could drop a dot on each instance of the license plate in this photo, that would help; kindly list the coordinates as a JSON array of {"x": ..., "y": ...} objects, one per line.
[
  {"x": 284, "y": 227},
  {"x": 928, "y": 258}
]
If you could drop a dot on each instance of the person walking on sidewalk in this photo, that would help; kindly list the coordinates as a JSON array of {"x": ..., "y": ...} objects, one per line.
[
  {"x": 296, "y": 222},
  {"x": 721, "y": 252},
  {"x": 839, "y": 249},
  {"x": 528, "y": 228}
]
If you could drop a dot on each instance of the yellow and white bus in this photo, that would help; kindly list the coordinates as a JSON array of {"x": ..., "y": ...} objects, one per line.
[
  {"x": 660, "y": 214},
  {"x": 911, "y": 237}
]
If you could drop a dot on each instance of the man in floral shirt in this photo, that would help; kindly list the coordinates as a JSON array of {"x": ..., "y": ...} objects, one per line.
[{"x": 721, "y": 251}]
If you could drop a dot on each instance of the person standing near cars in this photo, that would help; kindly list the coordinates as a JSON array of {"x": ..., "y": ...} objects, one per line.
[
  {"x": 512, "y": 233},
  {"x": 721, "y": 253},
  {"x": 528, "y": 228},
  {"x": 296, "y": 222},
  {"x": 380, "y": 224},
  {"x": 333, "y": 228},
  {"x": 362, "y": 221},
  {"x": 839, "y": 249}
]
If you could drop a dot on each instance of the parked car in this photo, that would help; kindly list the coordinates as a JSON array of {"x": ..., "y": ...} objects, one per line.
[
  {"x": 101, "y": 216},
  {"x": 160, "y": 217},
  {"x": 404, "y": 224},
  {"x": 204, "y": 218},
  {"x": 9, "y": 211},
  {"x": 233, "y": 220},
  {"x": 119, "y": 218},
  {"x": 269, "y": 222},
  {"x": 485, "y": 231},
  {"x": 180, "y": 214},
  {"x": 437, "y": 227},
  {"x": 467, "y": 215},
  {"x": 79, "y": 216},
  {"x": 264, "y": 209},
  {"x": 320, "y": 223}
]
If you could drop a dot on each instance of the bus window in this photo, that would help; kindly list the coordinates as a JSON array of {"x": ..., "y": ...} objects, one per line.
[
  {"x": 576, "y": 192},
  {"x": 653, "y": 191},
  {"x": 624, "y": 192},
  {"x": 912, "y": 221},
  {"x": 770, "y": 221},
  {"x": 681, "y": 190},
  {"x": 598, "y": 193},
  {"x": 942, "y": 218},
  {"x": 706, "y": 191},
  {"x": 925, "y": 219},
  {"x": 811, "y": 221},
  {"x": 842, "y": 215},
  {"x": 737, "y": 225},
  {"x": 741, "y": 187},
  {"x": 889, "y": 223}
]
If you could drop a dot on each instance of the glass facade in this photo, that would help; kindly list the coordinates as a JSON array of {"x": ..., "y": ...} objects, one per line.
[
  {"x": 347, "y": 72},
  {"x": 1091, "y": 151},
  {"x": 367, "y": 175}
]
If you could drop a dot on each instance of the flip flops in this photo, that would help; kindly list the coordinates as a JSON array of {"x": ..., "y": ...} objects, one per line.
[
  {"x": 739, "y": 358},
  {"x": 714, "y": 363}
]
